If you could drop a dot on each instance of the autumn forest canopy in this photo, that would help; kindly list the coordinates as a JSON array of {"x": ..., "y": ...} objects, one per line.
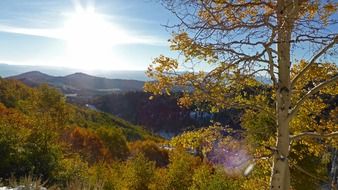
[{"x": 247, "y": 100}]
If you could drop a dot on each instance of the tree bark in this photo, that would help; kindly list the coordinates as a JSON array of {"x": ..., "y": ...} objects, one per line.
[{"x": 280, "y": 176}]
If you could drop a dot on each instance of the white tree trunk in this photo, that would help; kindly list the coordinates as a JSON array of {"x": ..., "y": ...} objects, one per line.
[{"x": 280, "y": 176}]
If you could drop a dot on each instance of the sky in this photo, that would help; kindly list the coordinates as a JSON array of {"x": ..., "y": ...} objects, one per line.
[
  {"x": 83, "y": 34},
  {"x": 91, "y": 35}
]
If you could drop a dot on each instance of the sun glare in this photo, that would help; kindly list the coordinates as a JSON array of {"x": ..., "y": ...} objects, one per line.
[{"x": 89, "y": 39}]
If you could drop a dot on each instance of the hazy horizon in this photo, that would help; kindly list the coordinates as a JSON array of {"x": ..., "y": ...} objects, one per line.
[{"x": 8, "y": 70}]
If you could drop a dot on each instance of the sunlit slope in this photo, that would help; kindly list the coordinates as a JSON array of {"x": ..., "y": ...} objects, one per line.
[{"x": 33, "y": 101}]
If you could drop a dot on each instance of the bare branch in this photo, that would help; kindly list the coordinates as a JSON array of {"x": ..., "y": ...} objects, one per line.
[
  {"x": 313, "y": 60},
  {"x": 314, "y": 90},
  {"x": 271, "y": 66},
  {"x": 321, "y": 39},
  {"x": 313, "y": 135},
  {"x": 247, "y": 4},
  {"x": 263, "y": 157}
]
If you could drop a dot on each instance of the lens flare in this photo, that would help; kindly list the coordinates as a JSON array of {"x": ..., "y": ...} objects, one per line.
[{"x": 232, "y": 155}]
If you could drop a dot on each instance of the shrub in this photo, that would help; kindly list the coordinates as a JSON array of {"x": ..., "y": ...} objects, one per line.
[
  {"x": 115, "y": 142},
  {"x": 70, "y": 169},
  {"x": 26, "y": 145},
  {"x": 150, "y": 150},
  {"x": 208, "y": 178},
  {"x": 179, "y": 173},
  {"x": 137, "y": 173}
]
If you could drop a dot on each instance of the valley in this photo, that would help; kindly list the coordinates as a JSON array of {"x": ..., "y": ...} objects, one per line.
[{"x": 126, "y": 99}]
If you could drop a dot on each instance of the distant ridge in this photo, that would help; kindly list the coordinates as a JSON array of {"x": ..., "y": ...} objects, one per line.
[
  {"x": 79, "y": 82},
  {"x": 34, "y": 75},
  {"x": 7, "y": 70},
  {"x": 78, "y": 74}
]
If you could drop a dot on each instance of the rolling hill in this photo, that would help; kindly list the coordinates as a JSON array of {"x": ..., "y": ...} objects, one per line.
[
  {"x": 7, "y": 70},
  {"x": 17, "y": 96},
  {"x": 80, "y": 84}
]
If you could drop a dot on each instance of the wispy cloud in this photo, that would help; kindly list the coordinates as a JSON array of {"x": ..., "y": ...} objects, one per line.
[
  {"x": 47, "y": 33},
  {"x": 123, "y": 37}
]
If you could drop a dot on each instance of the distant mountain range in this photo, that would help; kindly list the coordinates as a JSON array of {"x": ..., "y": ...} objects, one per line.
[
  {"x": 7, "y": 70},
  {"x": 80, "y": 84}
]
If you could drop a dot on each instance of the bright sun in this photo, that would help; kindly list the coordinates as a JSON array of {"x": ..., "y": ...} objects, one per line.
[{"x": 89, "y": 40}]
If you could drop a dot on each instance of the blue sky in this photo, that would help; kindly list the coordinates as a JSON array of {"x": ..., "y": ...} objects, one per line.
[
  {"x": 87, "y": 34},
  {"x": 128, "y": 33}
]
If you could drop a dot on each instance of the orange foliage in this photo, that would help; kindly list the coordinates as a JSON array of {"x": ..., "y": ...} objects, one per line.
[
  {"x": 13, "y": 117},
  {"x": 87, "y": 144}
]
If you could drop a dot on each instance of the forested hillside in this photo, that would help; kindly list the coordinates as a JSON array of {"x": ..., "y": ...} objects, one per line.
[
  {"x": 44, "y": 137},
  {"x": 162, "y": 113},
  {"x": 59, "y": 145}
]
